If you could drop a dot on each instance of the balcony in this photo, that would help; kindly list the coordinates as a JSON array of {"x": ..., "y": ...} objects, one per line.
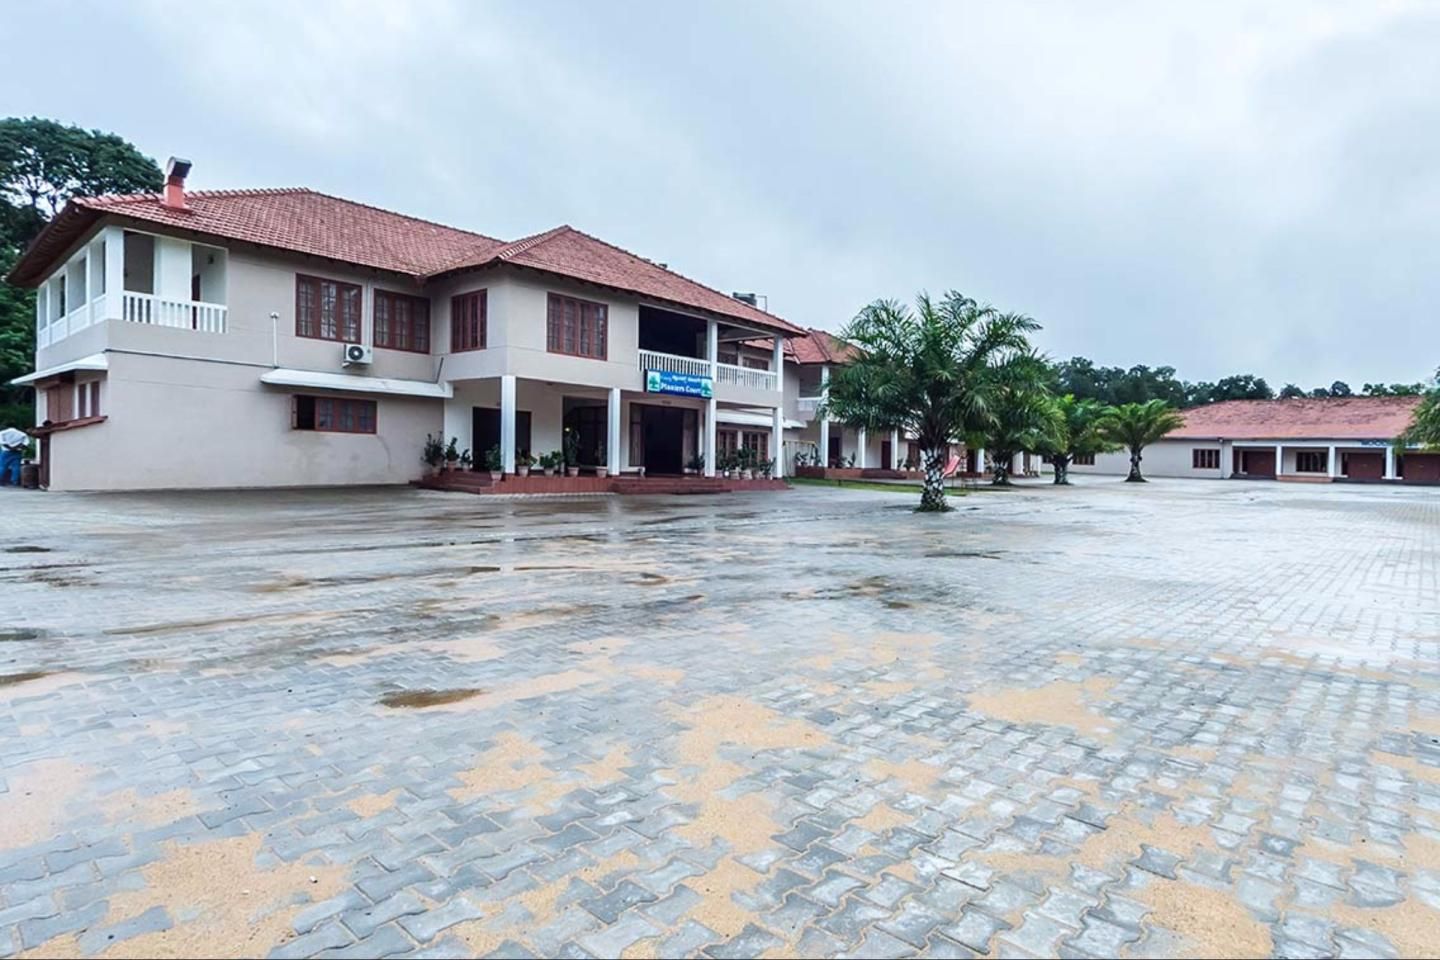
[
  {"x": 746, "y": 377},
  {"x": 134, "y": 277},
  {"x": 726, "y": 374},
  {"x": 808, "y": 406},
  {"x": 185, "y": 314}
]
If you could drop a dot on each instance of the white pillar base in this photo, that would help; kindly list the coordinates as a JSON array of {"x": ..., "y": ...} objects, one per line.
[
  {"x": 710, "y": 457},
  {"x": 860, "y": 450},
  {"x": 777, "y": 440}
]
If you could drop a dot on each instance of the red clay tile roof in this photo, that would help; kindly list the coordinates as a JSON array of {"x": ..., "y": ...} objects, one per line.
[
  {"x": 1335, "y": 418},
  {"x": 572, "y": 253},
  {"x": 343, "y": 230},
  {"x": 816, "y": 346}
]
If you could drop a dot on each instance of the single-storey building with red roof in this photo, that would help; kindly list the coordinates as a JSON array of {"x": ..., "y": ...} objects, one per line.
[
  {"x": 283, "y": 337},
  {"x": 1319, "y": 439}
]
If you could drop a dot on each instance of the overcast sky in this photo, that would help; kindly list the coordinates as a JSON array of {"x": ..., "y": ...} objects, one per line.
[{"x": 1221, "y": 188}]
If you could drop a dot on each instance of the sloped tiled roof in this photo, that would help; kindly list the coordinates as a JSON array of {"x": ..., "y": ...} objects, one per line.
[
  {"x": 814, "y": 347},
  {"x": 573, "y": 253},
  {"x": 320, "y": 225},
  {"x": 1333, "y": 418}
]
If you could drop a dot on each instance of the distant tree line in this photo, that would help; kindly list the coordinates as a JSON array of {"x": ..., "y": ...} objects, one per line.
[{"x": 1114, "y": 386}]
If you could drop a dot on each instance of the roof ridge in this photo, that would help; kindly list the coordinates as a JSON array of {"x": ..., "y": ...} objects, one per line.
[
  {"x": 404, "y": 216},
  {"x": 108, "y": 199},
  {"x": 676, "y": 273},
  {"x": 516, "y": 247}
]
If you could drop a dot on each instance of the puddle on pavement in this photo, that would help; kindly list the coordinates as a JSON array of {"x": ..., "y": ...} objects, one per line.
[
  {"x": 417, "y": 699},
  {"x": 961, "y": 555},
  {"x": 18, "y": 634},
  {"x": 27, "y": 548},
  {"x": 11, "y": 679}
]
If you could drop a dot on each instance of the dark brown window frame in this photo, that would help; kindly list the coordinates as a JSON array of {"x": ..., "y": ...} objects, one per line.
[
  {"x": 1083, "y": 460},
  {"x": 419, "y": 306},
  {"x": 1319, "y": 460},
  {"x": 481, "y": 339},
  {"x": 1205, "y": 458},
  {"x": 337, "y": 407},
  {"x": 589, "y": 313},
  {"x": 340, "y": 287}
]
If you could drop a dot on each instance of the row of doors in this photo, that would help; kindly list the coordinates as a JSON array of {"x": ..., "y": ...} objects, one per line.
[{"x": 657, "y": 436}]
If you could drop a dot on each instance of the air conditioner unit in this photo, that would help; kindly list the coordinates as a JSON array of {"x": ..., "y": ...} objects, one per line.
[{"x": 355, "y": 354}]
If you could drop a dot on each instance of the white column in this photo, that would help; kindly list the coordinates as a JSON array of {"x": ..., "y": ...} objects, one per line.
[
  {"x": 1227, "y": 459},
  {"x": 458, "y": 422},
  {"x": 1279, "y": 460},
  {"x": 777, "y": 442},
  {"x": 824, "y": 418},
  {"x": 712, "y": 354},
  {"x": 860, "y": 451},
  {"x": 172, "y": 268},
  {"x": 1333, "y": 463},
  {"x": 894, "y": 463},
  {"x": 980, "y": 460},
  {"x": 1389, "y": 462},
  {"x": 114, "y": 271},
  {"x": 612, "y": 435},
  {"x": 777, "y": 363},
  {"x": 507, "y": 423},
  {"x": 92, "y": 270}
]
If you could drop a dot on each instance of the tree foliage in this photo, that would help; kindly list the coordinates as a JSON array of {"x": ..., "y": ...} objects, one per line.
[
  {"x": 1135, "y": 426},
  {"x": 928, "y": 371},
  {"x": 42, "y": 165},
  {"x": 1023, "y": 415},
  {"x": 1077, "y": 435}
]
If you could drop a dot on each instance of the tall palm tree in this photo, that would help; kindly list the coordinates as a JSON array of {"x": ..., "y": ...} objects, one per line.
[
  {"x": 1135, "y": 426},
  {"x": 1078, "y": 435},
  {"x": 928, "y": 371},
  {"x": 1023, "y": 412}
]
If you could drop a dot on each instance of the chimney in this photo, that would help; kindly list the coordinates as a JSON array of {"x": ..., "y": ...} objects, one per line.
[
  {"x": 175, "y": 173},
  {"x": 750, "y": 298}
]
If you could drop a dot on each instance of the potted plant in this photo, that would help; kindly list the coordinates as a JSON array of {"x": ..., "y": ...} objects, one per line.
[
  {"x": 764, "y": 468},
  {"x": 571, "y": 443},
  {"x": 452, "y": 453},
  {"x": 466, "y": 461},
  {"x": 696, "y": 464},
  {"x": 601, "y": 469},
  {"x": 746, "y": 458},
  {"x": 433, "y": 454},
  {"x": 523, "y": 463},
  {"x": 495, "y": 462}
]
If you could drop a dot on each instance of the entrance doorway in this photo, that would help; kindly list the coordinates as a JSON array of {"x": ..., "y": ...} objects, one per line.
[
  {"x": 885, "y": 461},
  {"x": 832, "y": 456},
  {"x": 485, "y": 433},
  {"x": 663, "y": 433},
  {"x": 1255, "y": 463}
]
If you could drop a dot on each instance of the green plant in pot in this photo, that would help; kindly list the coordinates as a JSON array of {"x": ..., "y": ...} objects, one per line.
[
  {"x": 452, "y": 453},
  {"x": 495, "y": 462},
  {"x": 523, "y": 463},
  {"x": 466, "y": 461},
  {"x": 696, "y": 464},
  {"x": 571, "y": 443},
  {"x": 602, "y": 469},
  {"x": 433, "y": 453}
]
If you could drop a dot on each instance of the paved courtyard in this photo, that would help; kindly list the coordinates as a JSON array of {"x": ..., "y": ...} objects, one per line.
[{"x": 1191, "y": 718}]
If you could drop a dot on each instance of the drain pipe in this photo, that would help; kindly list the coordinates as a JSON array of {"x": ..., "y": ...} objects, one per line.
[{"x": 274, "y": 339}]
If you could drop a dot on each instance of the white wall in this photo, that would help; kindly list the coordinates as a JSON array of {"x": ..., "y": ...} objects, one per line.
[{"x": 179, "y": 423}]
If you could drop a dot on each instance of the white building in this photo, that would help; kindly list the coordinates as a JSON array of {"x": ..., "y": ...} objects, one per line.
[
  {"x": 1330, "y": 439},
  {"x": 240, "y": 338}
]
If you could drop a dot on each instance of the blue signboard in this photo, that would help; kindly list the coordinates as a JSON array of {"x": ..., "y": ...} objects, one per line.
[{"x": 680, "y": 384}]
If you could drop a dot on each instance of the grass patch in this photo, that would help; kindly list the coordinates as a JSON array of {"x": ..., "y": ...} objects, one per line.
[{"x": 879, "y": 486}]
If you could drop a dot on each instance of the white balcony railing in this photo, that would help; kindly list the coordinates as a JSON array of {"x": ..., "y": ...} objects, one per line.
[
  {"x": 808, "y": 406},
  {"x": 700, "y": 367},
  {"x": 746, "y": 377},
  {"x": 670, "y": 363},
  {"x": 185, "y": 314}
]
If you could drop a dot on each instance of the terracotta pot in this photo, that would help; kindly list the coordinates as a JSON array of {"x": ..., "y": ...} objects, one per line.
[
  {"x": 496, "y": 475},
  {"x": 573, "y": 471},
  {"x": 602, "y": 472},
  {"x": 522, "y": 471}
]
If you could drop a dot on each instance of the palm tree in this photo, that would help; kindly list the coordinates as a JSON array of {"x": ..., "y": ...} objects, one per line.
[
  {"x": 928, "y": 371},
  {"x": 1023, "y": 412},
  {"x": 1135, "y": 426},
  {"x": 1078, "y": 435}
]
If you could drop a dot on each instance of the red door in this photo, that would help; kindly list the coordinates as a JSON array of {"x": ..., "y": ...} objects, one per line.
[
  {"x": 885, "y": 454},
  {"x": 1257, "y": 463},
  {"x": 1363, "y": 466},
  {"x": 1422, "y": 468}
]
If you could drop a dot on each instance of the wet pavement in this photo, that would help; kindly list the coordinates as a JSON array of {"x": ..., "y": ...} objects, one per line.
[{"x": 1192, "y": 718}]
